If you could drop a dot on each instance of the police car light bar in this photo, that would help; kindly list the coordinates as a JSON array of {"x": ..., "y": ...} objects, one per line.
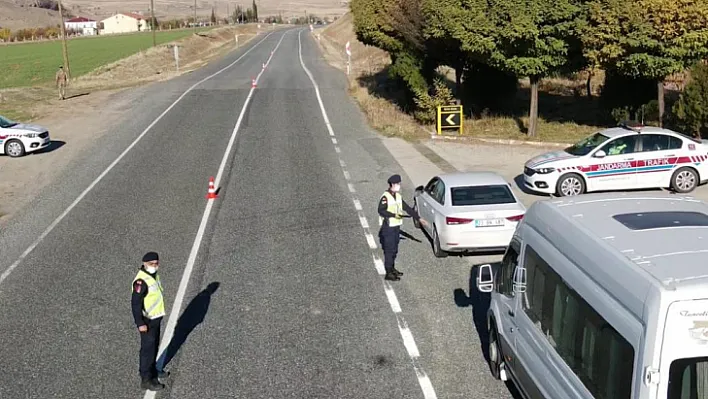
[{"x": 633, "y": 126}]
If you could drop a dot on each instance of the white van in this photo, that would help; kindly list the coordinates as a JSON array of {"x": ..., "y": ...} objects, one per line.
[{"x": 603, "y": 296}]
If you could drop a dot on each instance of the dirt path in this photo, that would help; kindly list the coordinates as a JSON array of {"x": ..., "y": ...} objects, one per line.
[{"x": 85, "y": 118}]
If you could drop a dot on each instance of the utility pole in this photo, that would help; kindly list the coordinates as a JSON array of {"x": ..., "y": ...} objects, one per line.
[
  {"x": 152, "y": 11},
  {"x": 195, "y": 16},
  {"x": 228, "y": 13},
  {"x": 63, "y": 42}
]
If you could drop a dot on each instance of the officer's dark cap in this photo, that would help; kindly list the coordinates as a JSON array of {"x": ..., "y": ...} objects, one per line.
[
  {"x": 150, "y": 256},
  {"x": 395, "y": 179}
]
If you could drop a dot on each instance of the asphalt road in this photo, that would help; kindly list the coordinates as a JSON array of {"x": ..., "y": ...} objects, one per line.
[{"x": 284, "y": 299}]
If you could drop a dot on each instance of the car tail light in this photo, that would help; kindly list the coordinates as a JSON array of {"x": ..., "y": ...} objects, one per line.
[
  {"x": 515, "y": 218},
  {"x": 450, "y": 220}
]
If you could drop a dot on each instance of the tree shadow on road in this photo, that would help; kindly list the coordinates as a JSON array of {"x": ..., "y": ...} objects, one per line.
[
  {"x": 192, "y": 316},
  {"x": 480, "y": 302}
]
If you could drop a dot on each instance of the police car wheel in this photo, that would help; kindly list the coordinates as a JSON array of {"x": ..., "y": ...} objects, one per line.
[
  {"x": 14, "y": 148},
  {"x": 684, "y": 180},
  {"x": 570, "y": 185}
]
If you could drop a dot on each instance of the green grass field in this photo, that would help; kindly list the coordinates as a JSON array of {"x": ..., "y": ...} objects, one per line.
[{"x": 36, "y": 63}]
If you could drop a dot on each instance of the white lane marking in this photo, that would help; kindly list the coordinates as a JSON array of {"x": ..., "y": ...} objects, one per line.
[
  {"x": 370, "y": 240},
  {"x": 61, "y": 217},
  {"x": 334, "y": 141},
  {"x": 181, "y": 291},
  {"x": 346, "y": 174},
  {"x": 392, "y": 299},
  {"x": 337, "y": 149},
  {"x": 357, "y": 205},
  {"x": 379, "y": 265},
  {"x": 425, "y": 385},
  {"x": 407, "y": 336},
  {"x": 342, "y": 164},
  {"x": 363, "y": 221}
]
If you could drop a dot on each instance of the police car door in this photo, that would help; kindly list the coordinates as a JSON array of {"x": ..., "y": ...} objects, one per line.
[
  {"x": 614, "y": 165},
  {"x": 658, "y": 157}
]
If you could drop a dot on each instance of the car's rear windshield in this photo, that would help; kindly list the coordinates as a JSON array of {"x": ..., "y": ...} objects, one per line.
[{"x": 482, "y": 195}]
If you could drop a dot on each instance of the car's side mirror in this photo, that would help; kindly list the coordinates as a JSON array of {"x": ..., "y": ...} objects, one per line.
[
  {"x": 420, "y": 189},
  {"x": 485, "y": 278},
  {"x": 600, "y": 154}
]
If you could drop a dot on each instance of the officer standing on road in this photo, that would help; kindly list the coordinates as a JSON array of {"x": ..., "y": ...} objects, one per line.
[
  {"x": 61, "y": 82},
  {"x": 391, "y": 207},
  {"x": 148, "y": 310}
]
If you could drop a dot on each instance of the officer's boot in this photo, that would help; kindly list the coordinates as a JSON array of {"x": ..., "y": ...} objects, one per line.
[
  {"x": 396, "y": 272},
  {"x": 151, "y": 384},
  {"x": 391, "y": 276}
]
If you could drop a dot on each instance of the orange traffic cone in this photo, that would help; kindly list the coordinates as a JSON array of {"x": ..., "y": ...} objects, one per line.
[
  {"x": 212, "y": 190},
  {"x": 253, "y": 82}
]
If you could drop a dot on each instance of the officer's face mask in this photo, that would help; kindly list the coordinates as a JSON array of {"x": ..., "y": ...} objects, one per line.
[
  {"x": 396, "y": 188},
  {"x": 150, "y": 269}
]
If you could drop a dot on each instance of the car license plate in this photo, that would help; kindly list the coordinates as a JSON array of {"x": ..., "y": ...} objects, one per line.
[{"x": 488, "y": 222}]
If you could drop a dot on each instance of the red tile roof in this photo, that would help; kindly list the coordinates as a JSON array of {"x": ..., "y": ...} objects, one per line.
[
  {"x": 80, "y": 19},
  {"x": 133, "y": 15}
]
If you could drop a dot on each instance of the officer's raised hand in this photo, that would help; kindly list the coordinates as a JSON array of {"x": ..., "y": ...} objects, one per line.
[{"x": 143, "y": 328}]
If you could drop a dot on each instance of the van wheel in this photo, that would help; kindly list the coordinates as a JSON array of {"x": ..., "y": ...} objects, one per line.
[
  {"x": 439, "y": 253},
  {"x": 415, "y": 222},
  {"x": 570, "y": 185},
  {"x": 495, "y": 354},
  {"x": 684, "y": 180}
]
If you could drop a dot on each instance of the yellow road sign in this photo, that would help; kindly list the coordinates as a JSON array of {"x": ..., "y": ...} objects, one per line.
[{"x": 450, "y": 117}]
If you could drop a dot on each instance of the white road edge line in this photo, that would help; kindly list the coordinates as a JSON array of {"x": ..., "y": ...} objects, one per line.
[
  {"x": 181, "y": 291},
  {"x": 423, "y": 380},
  {"x": 61, "y": 217}
]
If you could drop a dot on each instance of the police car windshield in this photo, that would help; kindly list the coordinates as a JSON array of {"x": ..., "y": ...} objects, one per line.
[
  {"x": 586, "y": 145},
  {"x": 4, "y": 122},
  {"x": 482, "y": 195}
]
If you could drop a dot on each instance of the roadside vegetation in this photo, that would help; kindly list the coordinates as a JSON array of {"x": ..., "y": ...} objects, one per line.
[{"x": 544, "y": 70}]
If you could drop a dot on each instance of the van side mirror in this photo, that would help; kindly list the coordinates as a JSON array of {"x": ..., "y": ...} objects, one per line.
[
  {"x": 519, "y": 281},
  {"x": 600, "y": 154},
  {"x": 420, "y": 188},
  {"x": 485, "y": 278}
]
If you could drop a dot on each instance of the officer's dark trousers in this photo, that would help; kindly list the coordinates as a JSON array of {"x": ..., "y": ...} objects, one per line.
[
  {"x": 149, "y": 345},
  {"x": 389, "y": 237}
]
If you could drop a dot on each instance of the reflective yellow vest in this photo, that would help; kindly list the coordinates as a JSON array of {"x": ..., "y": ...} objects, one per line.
[
  {"x": 153, "y": 303},
  {"x": 395, "y": 206}
]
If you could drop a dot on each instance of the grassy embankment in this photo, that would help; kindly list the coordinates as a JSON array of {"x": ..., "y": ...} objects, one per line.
[
  {"x": 103, "y": 62},
  {"x": 566, "y": 114}
]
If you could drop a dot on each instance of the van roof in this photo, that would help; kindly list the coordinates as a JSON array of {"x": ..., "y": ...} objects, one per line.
[{"x": 661, "y": 239}]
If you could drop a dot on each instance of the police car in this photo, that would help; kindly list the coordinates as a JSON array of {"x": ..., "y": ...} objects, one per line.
[
  {"x": 18, "y": 139},
  {"x": 621, "y": 158}
]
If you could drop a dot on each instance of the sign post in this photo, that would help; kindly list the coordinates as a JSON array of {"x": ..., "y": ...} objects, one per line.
[
  {"x": 349, "y": 58},
  {"x": 176, "y": 51},
  {"x": 236, "y": 36},
  {"x": 450, "y": 117}
]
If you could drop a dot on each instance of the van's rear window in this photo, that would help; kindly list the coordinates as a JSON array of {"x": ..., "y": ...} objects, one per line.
[
  {"x": 482, "y": 195},
  {"x": 659, "y": 220}
]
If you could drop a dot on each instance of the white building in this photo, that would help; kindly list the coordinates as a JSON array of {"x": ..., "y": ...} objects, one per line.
[
  {"x": 84, "y": 25},
  {"x": 124, "y": 23}
]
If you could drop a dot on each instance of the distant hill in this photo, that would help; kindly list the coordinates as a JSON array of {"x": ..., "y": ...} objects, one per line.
[{"x": 17, "y": 14}]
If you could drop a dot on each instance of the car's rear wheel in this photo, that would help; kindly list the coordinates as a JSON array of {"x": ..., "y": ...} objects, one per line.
[
  {"x": 415, "y": 206},
  {"x": 437, "y": 251},
  {"x": 570, "y": 185},
  {"x": 14, "y": 148},
  {"x": 684, "y": 180}
]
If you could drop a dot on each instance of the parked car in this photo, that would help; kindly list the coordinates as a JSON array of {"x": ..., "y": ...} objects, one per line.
[
  {"x": 621, "y": 158},
  {"x": 468, "y": 212},
  {"x": 18, "y": 139}
]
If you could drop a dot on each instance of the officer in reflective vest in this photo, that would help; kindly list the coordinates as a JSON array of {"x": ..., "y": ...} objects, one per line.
[
  {"x": 391, "y": 207},
  {"x": 148, "y": 307}
]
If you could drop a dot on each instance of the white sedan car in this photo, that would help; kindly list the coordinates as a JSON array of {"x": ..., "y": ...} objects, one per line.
[
  {"x": 468, "y": 212},
  {"x": 621, "y": 158},
  {"x": 18, "y": 139}
]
